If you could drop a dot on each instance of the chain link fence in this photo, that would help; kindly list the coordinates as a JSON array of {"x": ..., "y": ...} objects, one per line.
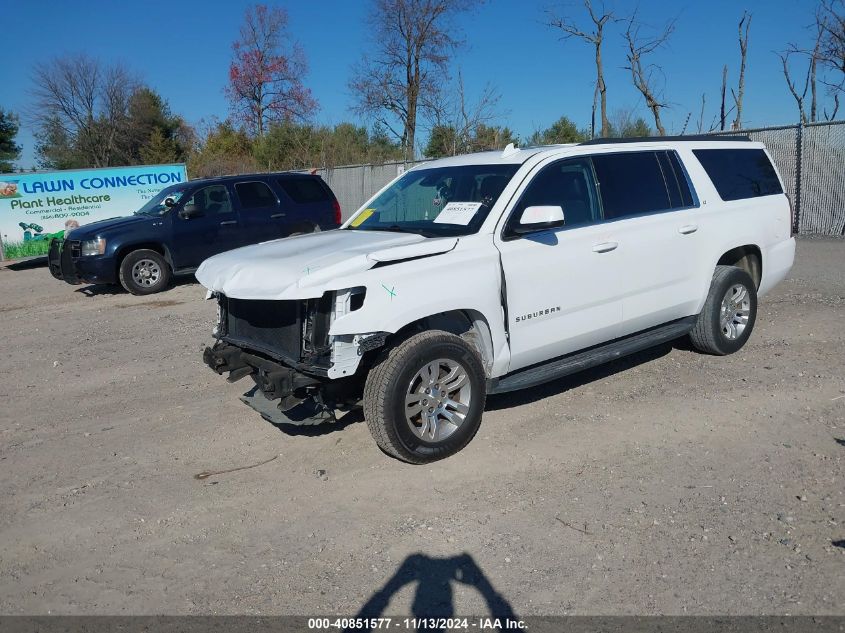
[{"x": 810, "y": 158}]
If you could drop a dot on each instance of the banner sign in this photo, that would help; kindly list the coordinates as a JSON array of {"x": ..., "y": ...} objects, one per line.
[{"x": 36, "y": 207}]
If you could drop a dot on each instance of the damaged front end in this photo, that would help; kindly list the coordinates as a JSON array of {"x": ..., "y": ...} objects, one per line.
[{"x": 302, "y": 374}]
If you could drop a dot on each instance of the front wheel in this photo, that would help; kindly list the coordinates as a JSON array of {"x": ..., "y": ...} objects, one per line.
[
  {"x": 424, "y": 398},
  {"x": 729, "y": 313},
  {"x": 144, "y": 272}
]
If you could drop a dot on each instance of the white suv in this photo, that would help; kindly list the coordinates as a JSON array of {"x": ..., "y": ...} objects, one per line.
[{"x": 497, "y": 271}]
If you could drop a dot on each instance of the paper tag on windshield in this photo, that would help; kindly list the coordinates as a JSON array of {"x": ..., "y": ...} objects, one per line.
[{"x": 458, "y": 213}]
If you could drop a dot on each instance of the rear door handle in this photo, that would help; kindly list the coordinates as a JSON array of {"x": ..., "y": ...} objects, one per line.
[
  {"x": 689, "y": 228},
  {"x": 605, "y": 247},
  {"x": 228, "y": 222},
  {"x": 277, "y": 215}
]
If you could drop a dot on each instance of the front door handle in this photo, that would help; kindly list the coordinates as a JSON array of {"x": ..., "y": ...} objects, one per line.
[
  {"x": 605, "y": 247},
  {"x": 277, "y": 215},
  {"x": 687, "y": 229},
  {"x": 228, "y": 222}
]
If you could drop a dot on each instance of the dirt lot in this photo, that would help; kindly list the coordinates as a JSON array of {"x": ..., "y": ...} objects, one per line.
[{"x": 670, "y": 482}]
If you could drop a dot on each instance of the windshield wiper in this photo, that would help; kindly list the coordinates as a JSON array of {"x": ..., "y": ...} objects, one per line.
[{"x": 395, "y": 228}]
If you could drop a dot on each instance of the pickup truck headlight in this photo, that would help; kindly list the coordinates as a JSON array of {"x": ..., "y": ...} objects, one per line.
[{"x": 93, "y": 247}]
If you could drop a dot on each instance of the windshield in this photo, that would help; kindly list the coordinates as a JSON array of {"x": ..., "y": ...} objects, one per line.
[
  {"x": 436, "y": 202},
  {"x": 156, "y": 205}
]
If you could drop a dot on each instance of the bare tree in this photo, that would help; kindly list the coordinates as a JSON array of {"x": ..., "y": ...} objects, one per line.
[
  {"x": 411, "y": 46},
  {"x": 86, "y": 103},
  {"x": 594, "y": 36},
  {"x": 743, "y": 51},
  {"x": 831, "y": 17},
  {"x": 643, "y": 74},
  {"x": 809, "y": 85},
  {"x": 457, "y": 120}
]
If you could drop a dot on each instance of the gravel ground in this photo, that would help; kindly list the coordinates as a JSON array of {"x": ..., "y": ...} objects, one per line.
[{"x": 666, "y": 483}]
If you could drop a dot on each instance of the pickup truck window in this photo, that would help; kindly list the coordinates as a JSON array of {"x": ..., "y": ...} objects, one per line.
[
  {"x": 464, "y": 194},
  {"x": 255, "y": 195},
  {"x": 631, "y": 183},
  {"x": 739, "y": 173}
]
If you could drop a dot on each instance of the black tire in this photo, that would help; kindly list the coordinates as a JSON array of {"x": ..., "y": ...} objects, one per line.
[
  {"x": 708, "y": 334},
  {"x": 157, "y": 267},
  {"x": 387, "y": 385}
]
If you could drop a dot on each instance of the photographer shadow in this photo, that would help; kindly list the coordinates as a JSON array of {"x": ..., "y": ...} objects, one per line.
[{"x": 434, "y": 593}]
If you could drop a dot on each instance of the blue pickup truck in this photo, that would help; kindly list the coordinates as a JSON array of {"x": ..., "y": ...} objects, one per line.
[{"x": 174, "y": 232}]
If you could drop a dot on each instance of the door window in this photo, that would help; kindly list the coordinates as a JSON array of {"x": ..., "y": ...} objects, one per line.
[
  {"x": 630, "y": 183},
  {"x": 568, "y": 184},
  {"x": 255, "y": 195},
  {"x": 212, "y": 200}
]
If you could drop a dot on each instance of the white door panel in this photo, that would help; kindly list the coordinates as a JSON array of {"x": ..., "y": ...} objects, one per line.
[
  {"x": 561, "y": 294},
  {"x": 659, "y": 269}
]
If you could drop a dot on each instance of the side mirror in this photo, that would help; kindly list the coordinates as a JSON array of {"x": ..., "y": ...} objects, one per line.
[
  {"x": 189, "y": 211},
  {"x": 539, "y": 218},
  {"x": 169, "y": 202}
]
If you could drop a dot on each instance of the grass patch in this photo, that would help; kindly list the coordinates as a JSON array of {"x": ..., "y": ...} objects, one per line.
[{"x": 27, "y": 248}]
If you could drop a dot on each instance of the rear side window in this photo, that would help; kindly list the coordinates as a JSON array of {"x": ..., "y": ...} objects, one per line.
[
  {"x": 255, "y": 195},
  {"x": 739, "y": 173},
  {"x": 304, "y": 190},
  {"x": 630, "y": 184}
]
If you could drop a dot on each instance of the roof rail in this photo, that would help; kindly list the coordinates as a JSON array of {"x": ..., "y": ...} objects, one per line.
[{"x": 658, "y": 139}]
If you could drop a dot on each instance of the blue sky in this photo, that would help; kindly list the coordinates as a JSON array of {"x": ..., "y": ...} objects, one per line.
[{"x": 182, "y": 49}]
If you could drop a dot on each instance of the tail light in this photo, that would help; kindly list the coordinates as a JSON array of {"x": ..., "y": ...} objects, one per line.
[
  {"x": 792, "y": 228},
  {"x": 336, "y": 207}
]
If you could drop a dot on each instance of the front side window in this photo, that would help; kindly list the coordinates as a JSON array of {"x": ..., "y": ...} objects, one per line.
[
  {"x": 631, "y": 183},
  {"x": 255, "y": 195},
  {"x": 437, "y": 201},
  {"x": 568, "y": 184},
  {"x": 211, "y": 200},
  {"x": 739, "y": 173}
]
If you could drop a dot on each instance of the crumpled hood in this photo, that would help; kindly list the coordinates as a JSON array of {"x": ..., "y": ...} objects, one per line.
[{"x": 304, "y": 266}]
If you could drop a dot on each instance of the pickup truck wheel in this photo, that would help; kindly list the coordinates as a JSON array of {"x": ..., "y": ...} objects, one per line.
[
  {"x": 144, "y": 272},
  {"x": 424, "y": 398},
  {"x": 729, "y": 313}
]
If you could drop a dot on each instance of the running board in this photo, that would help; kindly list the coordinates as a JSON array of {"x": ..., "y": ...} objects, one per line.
[{"x": 579, "y": 361}]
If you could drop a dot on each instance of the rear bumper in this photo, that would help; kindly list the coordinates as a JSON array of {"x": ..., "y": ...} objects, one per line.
[{"x": 67, "y": 264}]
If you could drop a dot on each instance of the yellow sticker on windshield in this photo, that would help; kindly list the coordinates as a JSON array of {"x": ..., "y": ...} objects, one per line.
[{"x": 362, "y": 217}]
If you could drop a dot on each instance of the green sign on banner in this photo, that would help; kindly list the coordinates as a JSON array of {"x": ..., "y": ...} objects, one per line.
[{"x": 34, "y": 208}]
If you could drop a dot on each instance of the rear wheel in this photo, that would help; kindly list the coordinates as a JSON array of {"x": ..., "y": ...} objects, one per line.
[
  {"x": 144, "y": 272},
  {"x": 729, "y": 313},
  {"x": 424, "y": 398}
]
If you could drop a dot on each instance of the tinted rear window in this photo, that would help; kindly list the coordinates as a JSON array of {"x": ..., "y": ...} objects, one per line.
[
  {"x": 630, "y": 184},
  {"x": 254, "y": 195},
  {"x": 304, "y": 190},
  {"x": 739, "y": 173}
]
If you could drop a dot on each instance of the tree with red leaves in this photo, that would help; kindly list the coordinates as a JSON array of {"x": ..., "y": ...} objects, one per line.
[{"x": 265, "y": 77}]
